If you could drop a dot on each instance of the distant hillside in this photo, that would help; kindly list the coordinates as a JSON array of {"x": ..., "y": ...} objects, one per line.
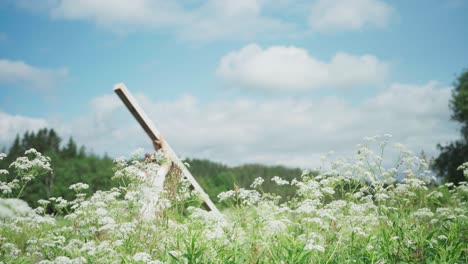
[
  {"x": 215, "y": 177},
  {"x": 72, "y": 163}
]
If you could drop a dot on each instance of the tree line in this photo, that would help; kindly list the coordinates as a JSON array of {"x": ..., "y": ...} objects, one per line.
[
  {"x": 72, "y": 163},
  {"x": 456, "y": 153}
]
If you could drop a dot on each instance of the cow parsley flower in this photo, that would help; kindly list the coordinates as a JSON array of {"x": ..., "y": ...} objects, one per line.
[
  {"x": 137, "y": 153},
  {"x": 423, "y": 213},
  {"x": 142, "y": 256},
  {"x": 279, "y": 181},
  {"x": 464, "y": 168},
  {"x": 257, "y": 182},
  {"x": 78, "y": 187},
  {"x": 13, "y": 207},
  {"x": 328, "y": 190},
  {"x": 442, "y": 237},
  {"x": 248, "y": 197},
  {"x": 8, "y": 187},
  {"x": 224, "y": 196},
  {"x": 314, "y": 247}
]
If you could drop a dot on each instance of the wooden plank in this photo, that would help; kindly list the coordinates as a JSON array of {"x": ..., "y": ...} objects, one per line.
[
  {"x": 127, "y": 98},
  {"x": 137, "y": 112}
]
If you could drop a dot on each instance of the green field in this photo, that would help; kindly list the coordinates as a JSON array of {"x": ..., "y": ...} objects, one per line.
[{"x": 349, "y": 211}]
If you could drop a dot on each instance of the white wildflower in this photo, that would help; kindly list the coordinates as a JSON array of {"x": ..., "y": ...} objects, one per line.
[
  {"x": 226, "y": 195},
  {"x": 274, "y": 227},
  {"x": 312, "y": 246},
  {"x": 442, "y": 237},
  {"x": 359, "y": 231},
  {"x": 328, "y": 190},
  {"x": 8, "y": 187},
  {"x": 464, "y": 168},
  {"x": 436, "y": 194},
  {"x": 60, "y": 203},
  {"x": 257, "y": 182},
  {"x": 13, "y": 207},
  {"x": 142, "y": 256},
  {"x": 137, "y": 153},
  {"x": 78, "y": 187},
  {"x": 381, "y": 196},
  {"x": 423, "y": 213},
  {"x": 155, "y": 262},
  {"x": 101, "y": 211},
  {"x": 279, "y": 181},
  {"x": 62, "y": 260},
  {"x": 248, "y": 197}
]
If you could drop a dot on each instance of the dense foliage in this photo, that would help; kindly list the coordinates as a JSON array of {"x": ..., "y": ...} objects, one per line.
[
  {"x": 353, "y": 210},
  {"x": 73, "y": 164},
  {"x": 454, "y": 154},
  {"x": 216, "y": 178}
]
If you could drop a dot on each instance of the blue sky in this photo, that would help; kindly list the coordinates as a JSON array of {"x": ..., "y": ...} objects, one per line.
[{"x": 240, "y": 76}]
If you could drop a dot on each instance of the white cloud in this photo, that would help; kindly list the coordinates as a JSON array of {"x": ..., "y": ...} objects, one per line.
[
  {"x": 294, "y": 132},
  {"x": 193, "y": 20},
  {"x": 208, "y": 20},
  {"x": 121, "y": 13},
  {"x": 292, "y": 68},
  {"x": 23, "y": 74},
  {"x": 297, "y": 132},
  {"x": 335, "y": 15},
  {"x": 232, "y": 19},
  {"x": 17, "y": 124}
]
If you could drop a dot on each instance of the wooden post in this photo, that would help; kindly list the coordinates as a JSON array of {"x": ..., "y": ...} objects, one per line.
[{"x": 121, "y": 90}]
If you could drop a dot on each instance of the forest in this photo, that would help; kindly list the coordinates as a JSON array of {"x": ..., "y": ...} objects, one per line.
[{"x": 72, "y": 163}]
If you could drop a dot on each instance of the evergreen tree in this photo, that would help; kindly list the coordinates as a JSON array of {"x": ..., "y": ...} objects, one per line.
[
  {"x": 16, "y": 149},
  {"x": 68, "y": 164},
  {"x": 70, "y": 150},
  {"x": 456, "y": 153}
]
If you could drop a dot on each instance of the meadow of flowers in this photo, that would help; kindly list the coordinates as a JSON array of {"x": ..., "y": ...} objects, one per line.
[{"x": 356, "y": 210}]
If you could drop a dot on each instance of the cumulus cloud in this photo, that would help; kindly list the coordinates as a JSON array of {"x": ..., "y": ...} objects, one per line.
[
  {"x": 122, "y": 13},
  {"x": 17, "y": 124},
  {"x": 293, "y": 132},
  {"x": 193, "y": 20},
  {"x": 336, "y": 15},
  {"x": 293, "y": 68},
  {"x": 28, "y": 76},
  {"x": 210, "y": 20},
  {"x": 233, "y": 19}
]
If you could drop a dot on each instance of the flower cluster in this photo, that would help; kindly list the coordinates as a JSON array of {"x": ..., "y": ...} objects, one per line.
[{"x": 360, "y": 208}]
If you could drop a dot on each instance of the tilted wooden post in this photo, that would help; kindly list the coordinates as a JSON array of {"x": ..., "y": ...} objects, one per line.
[{"x": 155, "y": 135}]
